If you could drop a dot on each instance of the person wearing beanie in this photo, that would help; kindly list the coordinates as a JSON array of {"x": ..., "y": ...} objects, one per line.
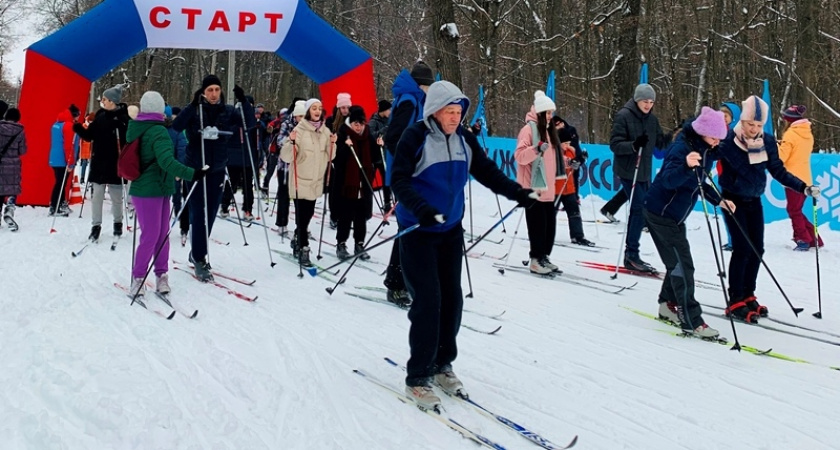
[
  {"x": 309, "y": 150},
  {"x": 151, "y": 191},
  {"x": 671, "y": 198},
  {"x": 243, "y": 158},
  {"x": 378, "y": 124},
  {"x": 429, "y": 177},
  {"x": 208, "y": 111},
  {"x": 538, "y": 165},
  {"x": 297, "y": 110},
  {"x": 635, "y": 133},
  {"x": 566, "y": 191},
  {"x": 12, "y": 147},
  {"x": 349, "y": 185},
  {"x": 409, "y": 92},
  {"x": 62, "y": 159},
  {"x": 747, "y": 155},
  {"x": 795, "y": 150},
  {"x": 339, "y": 115},
  {"x": 107, "y": 136}
]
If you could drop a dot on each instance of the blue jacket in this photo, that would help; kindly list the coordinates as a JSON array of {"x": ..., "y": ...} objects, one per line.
[
  {"x": 745, "y": 180},
  {"x": 406, "y": 110},
  {"x": 674, "y": 191},
  {"x": 431, "y": 169},
  {"x": 179, "y": 143}
]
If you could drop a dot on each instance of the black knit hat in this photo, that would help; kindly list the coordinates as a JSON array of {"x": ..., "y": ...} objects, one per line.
[
  {"x": 357, "y": 114},
  {"x": 74, "y": 110},
  {"x": 422, "y": 74},
  {"x": 12, "y": 115},
  {"x": 210, "y": 80},
  {"x": 384, "y": 105}
]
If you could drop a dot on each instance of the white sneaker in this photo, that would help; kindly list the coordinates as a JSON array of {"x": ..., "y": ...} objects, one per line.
[
  {"x": 668, "y": 311},
  {"x": 424, "y": 397},
  {"x": 137, "y": 288},
  {"x": 450, "y": 384},
  {"x": 538, "y": 268},
  {"x": 705, "y": 331},
  {"x": 163, "y": 284}
]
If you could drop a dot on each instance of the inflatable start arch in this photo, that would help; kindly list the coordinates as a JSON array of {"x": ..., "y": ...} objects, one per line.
[{"x": 60, "y": 68}]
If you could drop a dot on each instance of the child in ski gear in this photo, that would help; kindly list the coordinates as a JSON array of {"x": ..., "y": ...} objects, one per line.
[
  {"x": 747, "y": 155},
  {"x": 152, "y": 190},
  {"x": 432, "y": 164},
  {"x": 207, "y": 111},
  {"x": 539, "y": 164},
  {"x": 567, "y": 189},
  {"x": 635, "y": 132},
  {"x": 795, "y": 152},
  {"x": 309, "y": 150},
  {"x": 62, "y": 159},
  {"x": 671, "y": 199},
  {"x": 353, "y": 198},
  {"x": 107, "y": 135},
  {"x": 12, "y": 147}
]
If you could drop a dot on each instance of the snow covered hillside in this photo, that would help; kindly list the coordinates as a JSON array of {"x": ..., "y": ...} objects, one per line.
[{"x": 81, "y": 369}]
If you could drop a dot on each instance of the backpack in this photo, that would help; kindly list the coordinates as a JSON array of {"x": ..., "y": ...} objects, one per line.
[{"x": 128, "y": 164}]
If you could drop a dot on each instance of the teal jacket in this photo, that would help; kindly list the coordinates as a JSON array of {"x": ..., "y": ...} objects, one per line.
[{"x": 157, "y": 161}]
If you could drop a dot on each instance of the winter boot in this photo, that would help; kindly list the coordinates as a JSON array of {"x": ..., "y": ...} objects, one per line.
[
  {"x": 9, "y": 218},
  {"x": 538, "y": 268},
  {"x": 304, "y": 257},
  {"x": 359, "y": 249},
  {"x": 802, "y": 246},
  {"x": 248, "y": 216},
  {"x": 754, "y": 306},
  {"x": 704, "y": 332},
  {"x": 668, "y": 312},
  {"x": 424, "y": 397},
  {"x": 609, "y": 216},
  {"x": 137, "y": 288},
  {"x": 118, "y": 229},
  {"x": 739, "y": 310},
  {"x": 94, "y": 233},
  {"x": 184, "y": 236},
  {"x": 583, "y": 241},
  {"x": 202, "y": 270},
  {"x": 163, "y": 284},
  {"x": 64, "y": 210},
  {"x": 341, "y": 251},
  {"x": 225, "y": 212},
  {"x": 547, "y": 263},
  {"x": 451, "y": 385},
  {"x": 399, "y": 297},
  {"x": 633, "y": 262}
]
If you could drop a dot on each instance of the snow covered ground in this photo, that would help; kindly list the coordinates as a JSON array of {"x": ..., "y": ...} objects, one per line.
[{"x": 81, "y": 369}]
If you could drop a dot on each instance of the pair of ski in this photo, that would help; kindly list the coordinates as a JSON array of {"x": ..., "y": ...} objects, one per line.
[
  {"x": 220, "y": 275},
  {"x": 444, "y": 417},
  {"x": 720, "y": 312},
  {"x": 320, "y": 270},
  {"x": 379, "y": 299},
  {"x": 168, "y": 315},
  {"x": 221, "y": 286},
  {"x": 94, "y": 241},
  {"x": 611, "y": 268},
  {"x": 576, "y": 280}
]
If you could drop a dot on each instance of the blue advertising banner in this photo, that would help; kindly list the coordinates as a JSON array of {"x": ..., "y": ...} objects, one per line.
[{"x": 598, "y": 172}]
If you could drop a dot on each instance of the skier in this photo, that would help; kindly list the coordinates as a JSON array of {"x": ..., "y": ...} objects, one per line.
[
  {"x": 308, "y": 150},
  {"x": 747, "y": 154},
  {"x": 284, "y": 129},
  {"x": 240, "y": 172},
  {"x": 567, "y": 190},
  {"x": 671, "y": 199},
  {"x": 12, "y": 147},
  {"x": 432, "y": 164},
  {"x": 636, "y": 129},
  {"x": 107, "y": 136},
  {"x": 151, "y": 192},
  {"x": 206, "y": 120},
  {"x": 62, "y": 159},
  {"x": 409, "y": 92},
  {"x": 538, "y": 164}
]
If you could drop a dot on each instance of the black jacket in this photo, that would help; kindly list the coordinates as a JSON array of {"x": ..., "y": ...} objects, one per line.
[
  {"x": 630, "y": 123},
  {"x": 222, "y": 116},
  {"x": 105, "y": 150}
]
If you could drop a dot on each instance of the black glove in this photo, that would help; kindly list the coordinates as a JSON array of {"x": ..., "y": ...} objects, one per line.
[
  {"x": 78, "y": 128},
  {"x": 197, "y": 98},
  {"x": 640, "y": 142},
  {"x": 200, "y": 173},
  {"x": 583, "y": 155},
  {"x": 430, "y": 217},
  {"x": 526, "y": 197},
  {"x": 239, "y": 94}
]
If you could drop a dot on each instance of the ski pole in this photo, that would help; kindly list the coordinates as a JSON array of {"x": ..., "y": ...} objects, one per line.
[
  {"x": 627, "y": 215},
  {"x": 718, "y": 261},
  {"x": 487, "y": 233},
  {"x": 58, "y": 201},
  {"x": 469, "y": 193},
  {"x": 515, "y": 232},
  {"x": 204, "y": 183},
  {"x": 301, "y": 234},
  {"x": 326, "y": 199},
  {"x": 314, "y": 271},
  {"x": 228, "y": 185},
  {"x": 592, "y": 203},
  {"x": 498, "y": 204},
  {"x": 467, "y": 264},
  {"x": 737, "y": 222},
  {"x": 367, "y": 179},
  {"x": 720, "y": 245},
  {"x": 817, "y": 314},
  {"x": 343, "y": 276},
  {"x": 256, "y": 182}
]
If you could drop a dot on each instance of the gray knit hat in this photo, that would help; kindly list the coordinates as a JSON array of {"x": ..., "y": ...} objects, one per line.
[
  {"x": 644, "y": 91},
  {"x": 114, "y": 94}
]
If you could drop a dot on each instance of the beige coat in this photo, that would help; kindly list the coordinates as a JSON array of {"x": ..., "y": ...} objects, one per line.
[{"x": 314, "y": 151}]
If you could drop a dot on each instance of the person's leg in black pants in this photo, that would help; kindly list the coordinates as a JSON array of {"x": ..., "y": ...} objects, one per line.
[
  {"x": 570, "y": 204},
  {"x": 282, "y": 219},
  {"x": 538, "y": 233},
  {"x": 615, "y": 203},
  {"x": 58, "y": 189},
  {"x": 214, "y": 181},
  {"x": 304, "y": 210},
  {"x": 247, "y": 183}
]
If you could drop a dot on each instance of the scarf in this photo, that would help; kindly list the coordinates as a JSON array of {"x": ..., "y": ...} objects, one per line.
[
  {"x": 754, "y": 147},
  {"x": 150, "y": 117},
  {"x": 317, "y": 124},
  {"x": 352, "y": 174}
]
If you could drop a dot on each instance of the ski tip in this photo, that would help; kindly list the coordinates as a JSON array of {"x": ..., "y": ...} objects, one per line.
[
  {"x": 312, "y": 271},
  {"x": 171, "y": 315},
  {"x": 573, "y": 442},
  {"x": 391, "y": 362},
  {"x": 195, "y": 313},
  {"x": 496, "y": 330}
]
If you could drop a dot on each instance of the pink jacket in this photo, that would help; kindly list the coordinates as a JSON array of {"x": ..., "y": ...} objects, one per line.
[{"x": 526, "y": 154}]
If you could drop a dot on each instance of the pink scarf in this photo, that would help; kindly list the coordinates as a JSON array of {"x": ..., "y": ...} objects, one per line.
[
  {"x": 317, "y": 124},
  {"x": 754, "y": 147}
]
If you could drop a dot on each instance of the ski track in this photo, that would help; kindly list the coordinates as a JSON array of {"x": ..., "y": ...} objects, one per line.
[{"x": 83, "y": 369}]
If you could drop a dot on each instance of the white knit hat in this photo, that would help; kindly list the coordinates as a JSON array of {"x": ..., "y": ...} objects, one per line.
[
  {"x": 300, "y": 108},
  {"x": 543, "y": 103},
  {"x": 309, "y": 104},
  {"x": 152, "y": 102}
]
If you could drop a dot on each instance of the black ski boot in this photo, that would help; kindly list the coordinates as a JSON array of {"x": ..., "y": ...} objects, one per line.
[
  {"x": 94, "y": 233},
  {"x": 304, "y": 257},
  {"x": 633, "y": 262},
  {"x": 341, "y": 251},
  {"x": 118, "y": 229},
  {"x": 359, "y": 249},
  {"x": 754, "y": 306},
  {"x": 739, "y": 310}
]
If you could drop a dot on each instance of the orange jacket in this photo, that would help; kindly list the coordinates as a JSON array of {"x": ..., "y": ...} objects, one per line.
[
  {"x": 84, "y": 146},
  {"x": 795, "y": 150},
  {"x": 567, "y": 186}
]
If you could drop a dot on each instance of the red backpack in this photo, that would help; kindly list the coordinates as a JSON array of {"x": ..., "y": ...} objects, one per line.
[{"x": 128, "y": 164}]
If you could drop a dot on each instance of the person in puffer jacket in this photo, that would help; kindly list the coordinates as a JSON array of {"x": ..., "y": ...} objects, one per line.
[
  {"x": 670, "y": 200},
  {"x": 12, "y": 147}
]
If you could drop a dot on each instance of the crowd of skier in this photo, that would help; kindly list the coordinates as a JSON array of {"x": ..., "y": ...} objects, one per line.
[{"x": 412, "y": 159}]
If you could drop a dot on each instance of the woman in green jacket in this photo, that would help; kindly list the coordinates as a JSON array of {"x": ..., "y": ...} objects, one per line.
[{"x": 152, "y": 191}]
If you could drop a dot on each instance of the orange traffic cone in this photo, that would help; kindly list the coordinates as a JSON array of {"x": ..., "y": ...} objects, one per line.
[{"x": 76, "y": 192}]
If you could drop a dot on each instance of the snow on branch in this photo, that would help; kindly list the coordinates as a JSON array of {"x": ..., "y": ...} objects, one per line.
[
  {"x": 829, "y": 36},
  {"x": 764, "y": 57},
  {"x": 451, "y": 30},
  {"x": 618, "y": 58}
]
